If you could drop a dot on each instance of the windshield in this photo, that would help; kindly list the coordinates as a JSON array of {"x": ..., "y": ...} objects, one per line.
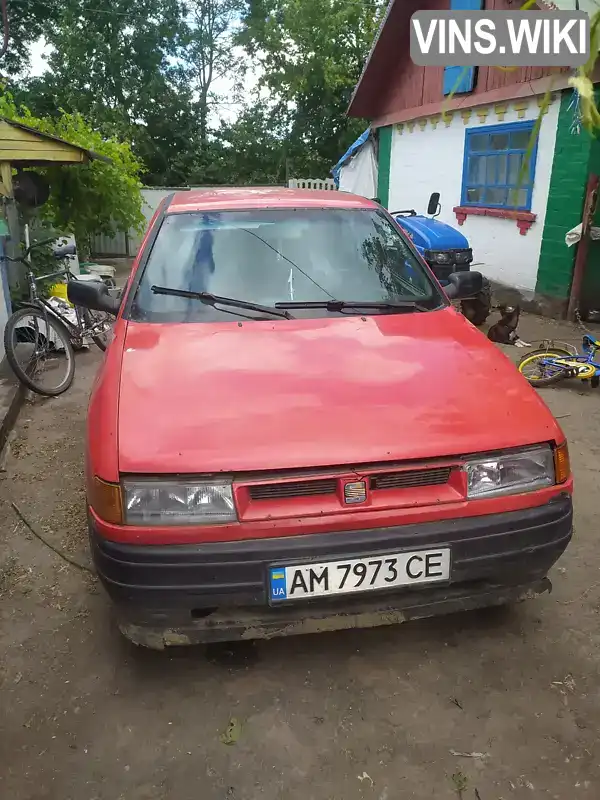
[{"x": 279, "y": 255}]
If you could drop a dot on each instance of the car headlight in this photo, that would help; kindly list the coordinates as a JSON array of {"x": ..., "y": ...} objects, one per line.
[
  {"x": 437, "y": 257},
  {"x": 511, "y": 473},
  {"x": 158, "y": 502}
]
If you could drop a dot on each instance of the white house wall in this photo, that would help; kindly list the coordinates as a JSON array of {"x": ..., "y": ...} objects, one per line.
[{"x": 430, "y": 159}]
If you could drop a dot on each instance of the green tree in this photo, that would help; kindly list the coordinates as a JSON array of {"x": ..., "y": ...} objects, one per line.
[
  {"x": 253, "y": 148},
  {"x": 144, "y": 70},
  {"x": 312, "y": 53},
  {"x": 28, "y": 21},
  {"x": 120, "y": 66},
  {"x": 210, "y": 51}
]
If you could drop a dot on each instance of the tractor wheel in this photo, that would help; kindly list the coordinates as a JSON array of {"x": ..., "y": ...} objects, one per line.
[{"x": 477, "y": 309}]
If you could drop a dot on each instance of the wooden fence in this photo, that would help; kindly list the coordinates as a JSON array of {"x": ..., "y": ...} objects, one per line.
[{"x": 326, "y": 184}]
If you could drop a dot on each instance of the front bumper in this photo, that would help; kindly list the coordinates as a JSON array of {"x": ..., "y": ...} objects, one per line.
[{"x": 185, "y": 594}]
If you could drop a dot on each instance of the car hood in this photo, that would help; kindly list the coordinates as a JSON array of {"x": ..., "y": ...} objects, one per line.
[{"x": 201, "y": 398}]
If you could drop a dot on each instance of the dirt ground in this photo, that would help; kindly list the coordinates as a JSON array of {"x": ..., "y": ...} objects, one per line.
[{"x": 484, "y": 706}]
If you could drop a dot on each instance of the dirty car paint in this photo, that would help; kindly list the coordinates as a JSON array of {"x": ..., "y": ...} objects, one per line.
[{"x": 317, "y": 392}]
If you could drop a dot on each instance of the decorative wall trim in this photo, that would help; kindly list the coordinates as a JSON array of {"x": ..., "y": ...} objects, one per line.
[
  {"x": 521, "y": 107},
  {"x": 524, "y": 219},
  {"x": 541, "y": 103},
  {"x": 501, "y": 109},
  {"x": 481, "y": 112}
]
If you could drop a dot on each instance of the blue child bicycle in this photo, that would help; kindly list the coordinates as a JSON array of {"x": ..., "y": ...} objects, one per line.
[{"x": 554, "y": 362}]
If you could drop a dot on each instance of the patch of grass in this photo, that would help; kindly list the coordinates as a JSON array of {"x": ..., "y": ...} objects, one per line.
[{"x": 460, "y": 783}]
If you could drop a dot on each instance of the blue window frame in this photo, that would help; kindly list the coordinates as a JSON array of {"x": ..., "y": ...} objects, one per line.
[
  {"x": 496, "y": 173},
  {"x": 465, "y": 76}
]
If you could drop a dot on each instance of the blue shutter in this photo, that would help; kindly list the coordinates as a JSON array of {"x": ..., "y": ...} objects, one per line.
[
  {"x": 466, "y": 5},
  {"x": 451, "y": 74},
  {"x": 467, "y": 79}
]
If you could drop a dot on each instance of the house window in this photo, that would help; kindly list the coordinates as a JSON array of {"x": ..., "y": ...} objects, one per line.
[{"x": 497, "y": 172}]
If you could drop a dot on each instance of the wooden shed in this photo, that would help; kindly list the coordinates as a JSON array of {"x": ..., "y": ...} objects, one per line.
[
  {"x": 23, "y": 146},
  {"x": 20, "y": 147}
]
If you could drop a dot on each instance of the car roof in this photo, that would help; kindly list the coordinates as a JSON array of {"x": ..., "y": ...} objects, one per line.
[{"x": 249, "y": 197}]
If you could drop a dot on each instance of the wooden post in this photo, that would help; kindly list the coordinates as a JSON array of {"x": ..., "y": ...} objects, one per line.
[
  {"x": 589, "y": 209},
  {"x": 288, "y": 165}
]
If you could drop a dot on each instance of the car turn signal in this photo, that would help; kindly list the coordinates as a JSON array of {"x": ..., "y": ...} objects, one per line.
[
  {"x": 562, "y": 465},
  {"x": 105, "y": 500}
]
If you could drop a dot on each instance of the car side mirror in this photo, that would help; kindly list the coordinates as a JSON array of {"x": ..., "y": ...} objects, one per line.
[
  {"x": 434, "y": 204},
  {"x": 94, "y": 295},
  {"x": 463, "y": 284}
]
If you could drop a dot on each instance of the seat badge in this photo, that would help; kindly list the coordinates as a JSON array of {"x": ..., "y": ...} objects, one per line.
[{"x": 355, "y": 492}]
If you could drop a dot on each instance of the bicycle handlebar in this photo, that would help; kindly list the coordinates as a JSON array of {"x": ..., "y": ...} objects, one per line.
[
  {"x": 60, "y": 252},
  {"x": 41, "y": 243}
]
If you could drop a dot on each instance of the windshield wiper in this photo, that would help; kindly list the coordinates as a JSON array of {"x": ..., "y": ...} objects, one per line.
[
  {"x": 213, "y": 299},
  {"x": 341, "y": 305}
]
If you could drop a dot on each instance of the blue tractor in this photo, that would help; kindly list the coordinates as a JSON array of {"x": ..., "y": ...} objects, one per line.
[{"x": 446, "y": 250}]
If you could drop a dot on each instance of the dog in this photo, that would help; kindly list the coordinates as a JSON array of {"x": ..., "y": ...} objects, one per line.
[{"x": 505, "y": 330}]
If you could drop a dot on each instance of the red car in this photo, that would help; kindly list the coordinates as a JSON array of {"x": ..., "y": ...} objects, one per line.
[{"x": 293, "y": 430}]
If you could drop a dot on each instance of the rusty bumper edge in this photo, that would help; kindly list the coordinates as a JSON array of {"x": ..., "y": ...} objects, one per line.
[{"x": 240, "y": 624}]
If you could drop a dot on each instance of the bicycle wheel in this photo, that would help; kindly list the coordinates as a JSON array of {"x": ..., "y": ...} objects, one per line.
[
  {"x": 101, "y": 325},
  {"x": 538, "y": 373},
  {"x": 39, "y": 350},
  {"x": 585, "y": 371}
]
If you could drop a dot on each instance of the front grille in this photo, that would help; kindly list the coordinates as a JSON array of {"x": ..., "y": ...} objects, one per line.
[
  {"x": 268, "y": 491},
  {"x": 321, "y": 486},
  {"x": 411, "y": 478}
]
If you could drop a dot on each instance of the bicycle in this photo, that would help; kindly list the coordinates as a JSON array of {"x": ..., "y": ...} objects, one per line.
[
  {"x": 550, "y": 364},
  {"x": 44, "y": 338}
]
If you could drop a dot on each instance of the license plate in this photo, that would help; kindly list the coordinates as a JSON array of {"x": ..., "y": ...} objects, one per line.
[{"x": 358, "y": 574}]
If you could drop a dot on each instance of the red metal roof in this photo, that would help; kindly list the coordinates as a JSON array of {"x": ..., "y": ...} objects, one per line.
[{"x": 237, "y": 198}]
